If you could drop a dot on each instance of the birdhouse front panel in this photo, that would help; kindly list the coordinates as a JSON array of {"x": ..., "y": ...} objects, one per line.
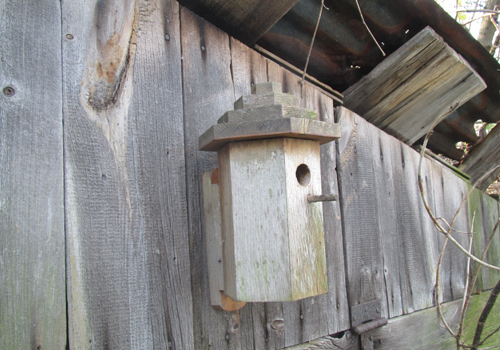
[{"x": 273, "y": 238}]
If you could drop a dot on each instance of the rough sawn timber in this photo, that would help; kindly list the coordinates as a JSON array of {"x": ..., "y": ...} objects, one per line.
[
  {"x": 128, "y": 263},
  {"x": 32, "y": 263},
  {"x": 392, "y": 248},
  {"x": 413, "y": 87}
]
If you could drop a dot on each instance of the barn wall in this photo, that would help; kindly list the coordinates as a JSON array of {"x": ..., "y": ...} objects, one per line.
[{"x": 102, "y": 190}]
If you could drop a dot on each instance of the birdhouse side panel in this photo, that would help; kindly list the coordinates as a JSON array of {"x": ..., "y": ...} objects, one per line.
[
  {"x": 256, "y": 246},
  {"x": 305, "y": 220}
]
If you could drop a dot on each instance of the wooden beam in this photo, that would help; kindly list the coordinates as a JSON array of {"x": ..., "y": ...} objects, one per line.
[
  {"x": 247, "y": 21},
  {"x": 483, "y": 158},
  {"x": 413, "y": 87}
]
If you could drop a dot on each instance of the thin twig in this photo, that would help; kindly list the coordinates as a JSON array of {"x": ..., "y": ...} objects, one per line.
[
  {"x": 475, "y": 19},
  {"x": 369, "y": 31},
  {"x": 485, "y": 11},
  {"x": 312, "y": 41},
  {"x": 438, "y": 303},
  {"x": 450, "y": 227},
  {"x": 426, "y": 204}
]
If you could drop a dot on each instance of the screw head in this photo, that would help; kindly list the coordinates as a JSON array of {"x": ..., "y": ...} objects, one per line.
[
  {"x": 167, "y": 37},
  {"x": 69, "y": 36},
  {"x": 9, "y": 91}
]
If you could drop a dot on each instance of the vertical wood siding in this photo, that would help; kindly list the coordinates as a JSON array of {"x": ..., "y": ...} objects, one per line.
[
  {"x": 32, "y": 272},
  {"x": 120, "y": 185},
  {"x": 392, "y": 247}
]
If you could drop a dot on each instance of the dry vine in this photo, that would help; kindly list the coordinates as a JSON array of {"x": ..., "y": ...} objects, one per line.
[{"x": 447, "y": 232}]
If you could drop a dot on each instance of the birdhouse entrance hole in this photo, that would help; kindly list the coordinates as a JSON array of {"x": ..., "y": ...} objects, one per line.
[{"x": 303, "y": 174}]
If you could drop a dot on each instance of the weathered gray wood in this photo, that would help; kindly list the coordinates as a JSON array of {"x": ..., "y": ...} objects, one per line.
[
  {"x": 423, "y": 329},
  {"x": 484, "y": 210},
  {"x": 273, "y": 238},
  {"x": 326, "y": 314},
  {"x": 32, "y": 262},
  {"x": 248, "y": 69},
  {"x": 247, "y": 21},
  {"x": 455, "y": 190},
  {"x": 410, "y": 245},
  {"x": 127, "y": 234},
  {"x": 416, "y": 259},
  {"x": 213, "y": 223},
  {"x": 266, "y": 99},
  {"x": 266, "y": 113},
  {"x": 420, "y": 330},
  {"x": 413, "y": 87},
  {"x": 483, "y": 158},
  {"x": 336, "y": 309},
  {"x": 220, "y": 134},
  {"x": 207, "y": 93},
  {"x": 346, "y": 342},
  {"x": 360, "y": 211}
]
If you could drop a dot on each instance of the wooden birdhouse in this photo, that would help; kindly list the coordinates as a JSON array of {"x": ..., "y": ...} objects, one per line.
[{"x": 266, "y": 242}]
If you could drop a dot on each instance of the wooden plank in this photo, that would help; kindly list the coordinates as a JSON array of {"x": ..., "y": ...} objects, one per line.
[
  {"x": 261, "y": 193},
  {"x": 408, "y": 244},
  {"x": 344, "y": 341},
  {"x": 475, "y": 218},
  {"x": 360, "y": 224},
  {"x": 413, "y": 87},
  {"x": 489, "y": 216},
  {"x": 248, "y": 262},
  {"x": 416, "y": 256},
  {"x": 246, "y": 21},
  {"x": 406, "y": 332},
  {"x": 301, "y": 128},
  {"x": 127, "y": 232},
  {"x": 32, "y": 272},
  {"x": 455, "y": 190},
  {"x": 213, "y": 223},
  {"x": 484, "y": 210},
  {"x": 266, "y": 113},
  {"x": 483, "y": 158},
  {"x": 336, "y": 309},
  {"x": 248, "y": 67},
  {"x": 208, "y": 93}
]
